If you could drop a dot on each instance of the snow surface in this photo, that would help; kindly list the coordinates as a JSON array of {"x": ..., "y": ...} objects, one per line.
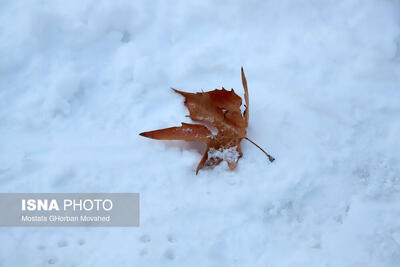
[{"x": 80, "y": 79}]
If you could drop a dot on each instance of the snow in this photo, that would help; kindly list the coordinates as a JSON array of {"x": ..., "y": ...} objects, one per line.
[
  {"x": 80, "y": 79},
  {"x": 228, "y": 154}
]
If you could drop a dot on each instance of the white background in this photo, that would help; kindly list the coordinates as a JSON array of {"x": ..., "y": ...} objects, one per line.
[{"x": 80, "y": 79}]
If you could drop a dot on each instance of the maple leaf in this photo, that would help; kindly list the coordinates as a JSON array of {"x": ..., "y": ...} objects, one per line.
[{"x": 224, "y": 125}]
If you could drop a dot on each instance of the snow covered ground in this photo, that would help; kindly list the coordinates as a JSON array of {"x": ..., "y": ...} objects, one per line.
[{"x": 80, "y": 79}]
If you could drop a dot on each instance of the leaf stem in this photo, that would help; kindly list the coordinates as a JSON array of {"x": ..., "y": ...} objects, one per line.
[{"x": 271, "y": 158}]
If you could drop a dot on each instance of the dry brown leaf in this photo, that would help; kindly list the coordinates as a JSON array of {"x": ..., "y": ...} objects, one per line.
[{"x": 224, "y": 125}]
